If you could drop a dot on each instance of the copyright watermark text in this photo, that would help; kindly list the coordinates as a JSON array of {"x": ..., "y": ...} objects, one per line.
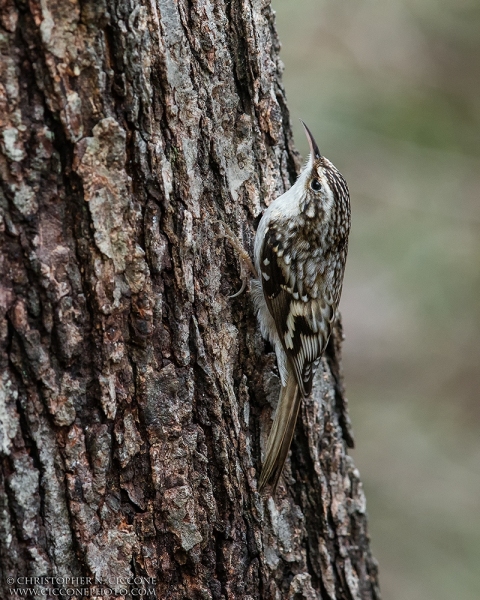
[{"x": 81, "y": 587}]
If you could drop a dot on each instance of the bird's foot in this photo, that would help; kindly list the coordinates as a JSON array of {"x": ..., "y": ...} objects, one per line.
[{"x": 245, "y": 260}]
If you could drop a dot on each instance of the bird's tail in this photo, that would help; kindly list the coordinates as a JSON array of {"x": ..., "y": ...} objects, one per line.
[{"x": 281, "y": 433}]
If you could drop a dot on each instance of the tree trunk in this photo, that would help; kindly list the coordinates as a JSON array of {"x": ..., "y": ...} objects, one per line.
[{"x": 137, "y": 397}]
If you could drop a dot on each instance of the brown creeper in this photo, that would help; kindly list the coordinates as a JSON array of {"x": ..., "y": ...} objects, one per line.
[{"x": 300, "y": 253}]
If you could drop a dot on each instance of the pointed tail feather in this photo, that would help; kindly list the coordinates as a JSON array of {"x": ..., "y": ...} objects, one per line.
[{"x": 281, "y": 434}]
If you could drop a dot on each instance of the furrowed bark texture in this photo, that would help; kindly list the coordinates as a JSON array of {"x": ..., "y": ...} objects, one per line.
[{"x": 136, "y": 397}]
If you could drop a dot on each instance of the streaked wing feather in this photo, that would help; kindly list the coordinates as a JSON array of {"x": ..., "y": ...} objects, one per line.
[{"x": 303, "y": 327}]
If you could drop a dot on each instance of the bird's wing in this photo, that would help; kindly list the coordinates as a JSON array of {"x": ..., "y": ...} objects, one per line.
[{"x": 304, "y": 323}]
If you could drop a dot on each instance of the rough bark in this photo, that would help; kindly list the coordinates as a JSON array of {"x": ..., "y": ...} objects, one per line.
[{"x": 136, "y": 397}]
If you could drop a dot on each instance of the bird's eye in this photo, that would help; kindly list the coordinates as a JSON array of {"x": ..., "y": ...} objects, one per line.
[{"x": 316, "y": 185}]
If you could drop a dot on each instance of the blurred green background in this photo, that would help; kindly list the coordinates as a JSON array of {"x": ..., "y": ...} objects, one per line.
[{"x": 391, "y": 91}]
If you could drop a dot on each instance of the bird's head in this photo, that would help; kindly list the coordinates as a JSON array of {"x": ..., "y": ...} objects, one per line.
[{"x": 320, "y": 186}]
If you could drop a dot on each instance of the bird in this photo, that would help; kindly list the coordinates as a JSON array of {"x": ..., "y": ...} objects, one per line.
[{"x": 300, "y": 252}]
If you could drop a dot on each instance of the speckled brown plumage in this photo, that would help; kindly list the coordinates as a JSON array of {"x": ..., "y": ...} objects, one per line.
[{"x": 300, "y": 253}]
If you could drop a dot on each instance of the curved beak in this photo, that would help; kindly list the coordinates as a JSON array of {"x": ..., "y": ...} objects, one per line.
[{"x": 314, "y": 151}]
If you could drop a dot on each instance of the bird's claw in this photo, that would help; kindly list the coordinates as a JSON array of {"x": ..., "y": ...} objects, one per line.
[
  {"x": 245, "y": 260},
  {"x": 241, "y": 290}
]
